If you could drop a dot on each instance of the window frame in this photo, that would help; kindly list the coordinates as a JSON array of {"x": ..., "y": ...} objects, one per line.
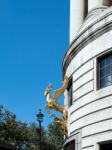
[
  {"x": 98, "y": 70},
  {"x": 70, "y": 89},
  {"x": 104, "y": 144},
  {"x": 69, "y": 144}
]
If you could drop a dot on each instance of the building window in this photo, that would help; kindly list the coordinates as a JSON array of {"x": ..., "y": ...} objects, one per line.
[
  {"x": 70, "y": 146},
  {"x": 105, "y": 71},
  {"x": 107, "y": 146},
  {"x": 70, "y": 97}
]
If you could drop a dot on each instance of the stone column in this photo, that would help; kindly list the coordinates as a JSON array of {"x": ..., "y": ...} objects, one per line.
[
  {"x": 94, "y": 4},
  {"x": 76, "y": 17}
]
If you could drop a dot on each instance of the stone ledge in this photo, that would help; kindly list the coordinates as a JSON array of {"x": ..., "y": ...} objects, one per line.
[{"x": 93, "y": 31}]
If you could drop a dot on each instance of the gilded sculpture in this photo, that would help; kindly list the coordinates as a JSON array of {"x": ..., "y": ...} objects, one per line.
[{"x": 51, "y": 103}]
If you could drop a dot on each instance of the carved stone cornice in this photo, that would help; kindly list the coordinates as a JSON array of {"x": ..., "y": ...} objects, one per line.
[{"x": 89, "y": 33}]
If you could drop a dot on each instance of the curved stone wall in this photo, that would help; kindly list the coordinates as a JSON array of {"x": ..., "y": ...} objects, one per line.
[{"x": 90, "y": 116}]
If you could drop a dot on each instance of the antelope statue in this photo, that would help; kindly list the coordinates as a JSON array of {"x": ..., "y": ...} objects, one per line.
[{"x": 51, "y": 103}]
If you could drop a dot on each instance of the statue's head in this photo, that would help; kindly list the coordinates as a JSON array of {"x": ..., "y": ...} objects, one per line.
[{"x": 48, "y": 89}]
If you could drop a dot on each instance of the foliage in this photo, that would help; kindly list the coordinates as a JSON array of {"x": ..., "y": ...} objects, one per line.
[
  {"x": 55, "y": 136},
  {"x": 12, "y": 131},
  {"x": 25, "y": 137}
]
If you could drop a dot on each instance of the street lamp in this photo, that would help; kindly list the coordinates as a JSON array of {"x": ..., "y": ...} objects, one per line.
[{"x": 40, "y": 119}]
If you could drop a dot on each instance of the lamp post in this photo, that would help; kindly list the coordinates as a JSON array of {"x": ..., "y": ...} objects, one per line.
[{"x": 40, "y": 119}]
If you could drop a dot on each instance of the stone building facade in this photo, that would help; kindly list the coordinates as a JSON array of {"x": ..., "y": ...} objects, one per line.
[{"x": 88, "y": 64}]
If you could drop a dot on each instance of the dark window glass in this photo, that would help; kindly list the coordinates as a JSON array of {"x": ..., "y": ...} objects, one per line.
[
  {"x": 70, "y": 98},
  {"x": 70, "y": 146},
  {"x": 106, "y": 146},
  {"x": 105, "y": 71}
]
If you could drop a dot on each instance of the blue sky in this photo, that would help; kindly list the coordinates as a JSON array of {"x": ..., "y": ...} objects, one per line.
[{"x": 34, "y": 37}]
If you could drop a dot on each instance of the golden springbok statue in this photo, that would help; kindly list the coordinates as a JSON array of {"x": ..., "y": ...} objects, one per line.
[{"x": 51, "y": 103}]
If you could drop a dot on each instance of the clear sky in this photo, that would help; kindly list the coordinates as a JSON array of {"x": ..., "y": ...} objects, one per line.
[{"x": 34, "y": 36}]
